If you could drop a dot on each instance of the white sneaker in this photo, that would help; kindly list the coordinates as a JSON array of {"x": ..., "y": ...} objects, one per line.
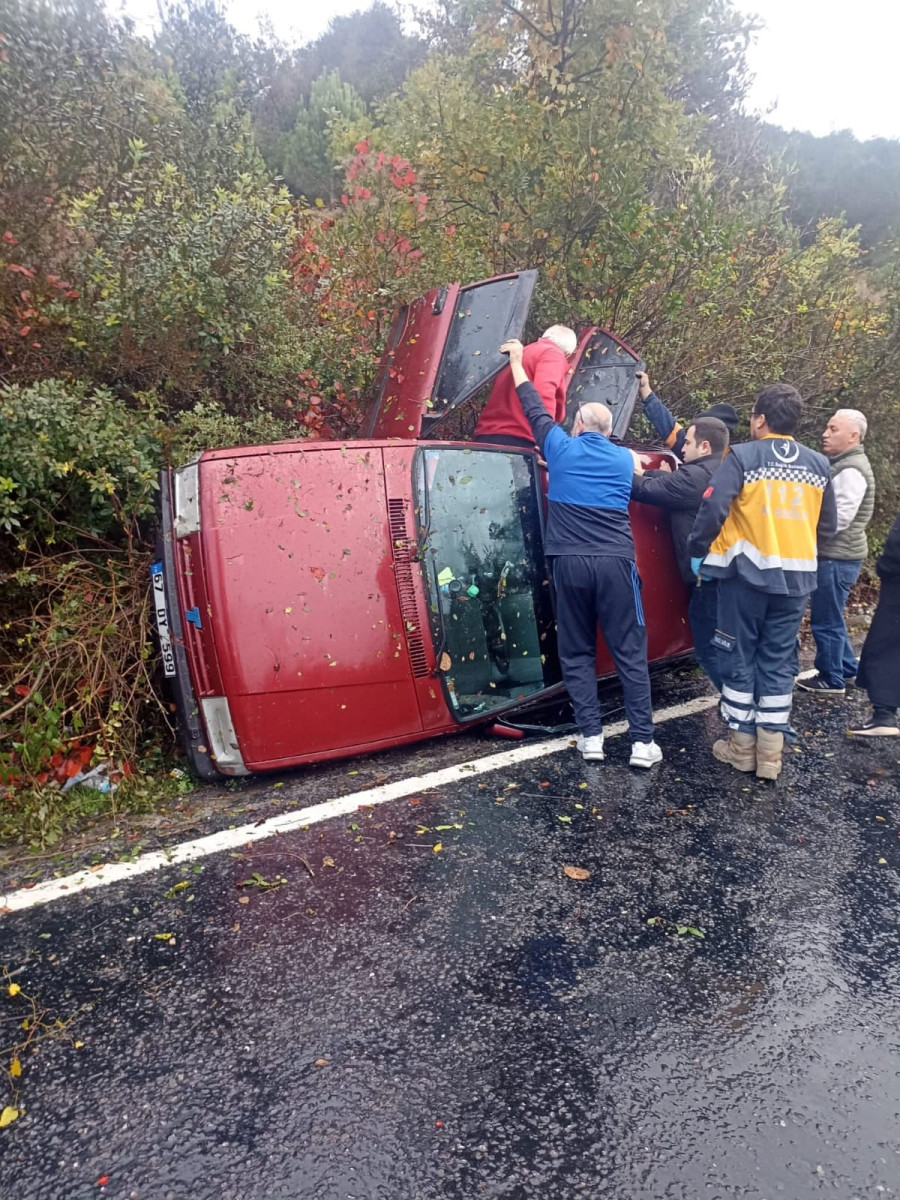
[
  {"x": 645, "y": 754},
  {"x": 590, "y": 748}
]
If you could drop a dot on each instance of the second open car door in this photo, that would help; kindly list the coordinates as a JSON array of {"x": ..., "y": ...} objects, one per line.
[
  {"x": 604, "y": 370},
  {"x": 443, "y": 348}
]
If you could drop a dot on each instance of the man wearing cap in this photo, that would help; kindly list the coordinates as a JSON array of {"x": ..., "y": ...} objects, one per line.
[
  {"x": 546, "y": 364},
  {"x": 841, "y": 556},
  {"x": 661, "y": 418}
]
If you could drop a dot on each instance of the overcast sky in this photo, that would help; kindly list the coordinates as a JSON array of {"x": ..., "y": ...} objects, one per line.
[{"x": 823, "y": 65}]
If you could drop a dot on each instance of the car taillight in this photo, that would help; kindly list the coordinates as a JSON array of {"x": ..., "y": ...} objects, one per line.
[
  {"x": 223, "y": 743},
  {"x": 187, "y": 500}
]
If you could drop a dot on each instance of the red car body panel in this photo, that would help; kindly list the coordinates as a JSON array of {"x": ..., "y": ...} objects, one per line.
[
  {"x": 303, "y": 608},
  {"x": 410, "y": 362}
]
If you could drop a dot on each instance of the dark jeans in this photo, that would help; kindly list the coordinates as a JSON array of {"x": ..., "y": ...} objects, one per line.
[
  {"x": 592, "y": 591},
  {"x": 835, "y": 660},
  {"x": 757, "y": 635},
  {"x": 703, "y": 612}
]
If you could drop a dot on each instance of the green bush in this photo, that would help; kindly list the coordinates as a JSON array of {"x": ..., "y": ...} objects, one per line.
[{"x": 75, "y": 459}]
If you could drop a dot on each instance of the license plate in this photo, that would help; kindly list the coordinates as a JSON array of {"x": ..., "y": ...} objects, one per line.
[{"x": 162, "y": 619}]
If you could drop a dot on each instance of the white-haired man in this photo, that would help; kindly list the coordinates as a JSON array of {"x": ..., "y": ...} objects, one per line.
[
  {"x": 546, "y": 363},
  {"x": 841, "y": 555}
]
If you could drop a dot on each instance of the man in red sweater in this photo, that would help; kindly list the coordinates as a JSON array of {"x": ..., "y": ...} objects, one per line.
[{"x": 546, "y": 363}]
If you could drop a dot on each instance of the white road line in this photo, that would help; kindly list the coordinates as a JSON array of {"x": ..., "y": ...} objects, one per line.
[{"x": 230, "y": 839}]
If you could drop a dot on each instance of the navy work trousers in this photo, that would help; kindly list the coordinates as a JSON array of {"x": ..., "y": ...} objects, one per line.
[
  {"x": 592, "y": 591},
  {"x": 703, "y": 613},
  {"x": 757, "y": 638},
  {"x": 835, "y": 660}
]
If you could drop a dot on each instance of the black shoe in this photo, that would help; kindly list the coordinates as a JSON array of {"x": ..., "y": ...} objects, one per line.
[
  {"x": 820, "y": 686},
  {"x": 875, "y": 728}
]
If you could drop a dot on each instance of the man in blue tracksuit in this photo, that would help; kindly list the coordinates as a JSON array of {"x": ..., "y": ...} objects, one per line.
[{"x": 591, "y": 550}]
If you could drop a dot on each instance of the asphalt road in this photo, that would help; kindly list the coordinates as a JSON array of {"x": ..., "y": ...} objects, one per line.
[{"x": 400, "y": 1022}]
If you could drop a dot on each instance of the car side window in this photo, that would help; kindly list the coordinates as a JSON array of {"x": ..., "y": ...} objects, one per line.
[
  {"x": 605, "y": 374},
  {"x": 486, "y": 315}
]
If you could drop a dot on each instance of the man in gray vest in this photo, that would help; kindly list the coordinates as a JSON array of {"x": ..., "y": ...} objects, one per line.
[{"x": 841, "y": 555}]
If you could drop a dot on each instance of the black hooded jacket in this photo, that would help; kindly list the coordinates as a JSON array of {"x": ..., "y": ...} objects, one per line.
[{"x": 680, "y": 492}]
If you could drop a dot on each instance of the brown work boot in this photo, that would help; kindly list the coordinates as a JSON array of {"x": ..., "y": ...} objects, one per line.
[
  {"x": 739, "y": 750},
  {"x": 769, "y": 746}
]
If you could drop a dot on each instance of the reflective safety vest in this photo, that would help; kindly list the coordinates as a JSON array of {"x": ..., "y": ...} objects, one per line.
[{"x": 761, "y": 515}]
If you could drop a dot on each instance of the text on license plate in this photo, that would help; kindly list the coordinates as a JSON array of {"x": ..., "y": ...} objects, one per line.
[{"x": 162, "y": 619}]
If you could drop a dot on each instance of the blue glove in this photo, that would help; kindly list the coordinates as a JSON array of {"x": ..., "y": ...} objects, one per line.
[{"x": 696, "y": 564}]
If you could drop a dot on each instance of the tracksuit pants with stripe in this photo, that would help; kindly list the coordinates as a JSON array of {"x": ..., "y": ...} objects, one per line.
[
  {"x": 604, "y": 591},
  {"x": 757, "y": 637}
]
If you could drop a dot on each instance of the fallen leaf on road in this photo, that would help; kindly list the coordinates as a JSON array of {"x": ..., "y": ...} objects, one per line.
[
  {"x": 437, "y": 846},
  {"x": 14, "y": 989},
  {"x": 244, "y": 900},
  {"x": 327, "y": 861},
  {"x": 15, "y": 1068},
  {"x": 576, "y": 872},
  {"x": 565, "y": 820},
  {"x": 321, "y": 1062},
  {"x": 8, "y": 1115}
]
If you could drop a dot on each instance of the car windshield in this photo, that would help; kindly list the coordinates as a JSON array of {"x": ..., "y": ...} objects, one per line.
[{"x": 488, "y": 592}]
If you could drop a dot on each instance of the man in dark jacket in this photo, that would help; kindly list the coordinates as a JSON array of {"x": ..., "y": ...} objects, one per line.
[
  {"x": 680, "y": 492},
  {"x": 591, "y": 549},
  {"x": 669, "y": 430},
  {"x": 879, "y": 663}
]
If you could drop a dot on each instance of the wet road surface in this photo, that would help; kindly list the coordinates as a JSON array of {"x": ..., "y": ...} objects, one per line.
[{"x": 396, "y": 1022}]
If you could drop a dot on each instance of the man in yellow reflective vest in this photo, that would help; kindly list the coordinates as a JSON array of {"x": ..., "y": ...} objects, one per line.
[{"x": 756, "y": 533}]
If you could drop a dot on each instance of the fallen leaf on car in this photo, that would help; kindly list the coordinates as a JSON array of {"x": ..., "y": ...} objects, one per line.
[
  {"x": 446, "y": 662},
  {"x": 576, "y": 872}
]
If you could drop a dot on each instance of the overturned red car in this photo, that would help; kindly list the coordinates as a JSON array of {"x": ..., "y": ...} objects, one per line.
[{"x": 321, "y": 599}]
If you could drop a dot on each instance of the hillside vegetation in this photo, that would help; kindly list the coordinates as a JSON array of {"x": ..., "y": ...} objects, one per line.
[{"x": 203, "y": 238}]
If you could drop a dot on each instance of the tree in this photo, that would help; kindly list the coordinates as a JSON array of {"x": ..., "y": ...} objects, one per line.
[{"x": 308, "y": 163}]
